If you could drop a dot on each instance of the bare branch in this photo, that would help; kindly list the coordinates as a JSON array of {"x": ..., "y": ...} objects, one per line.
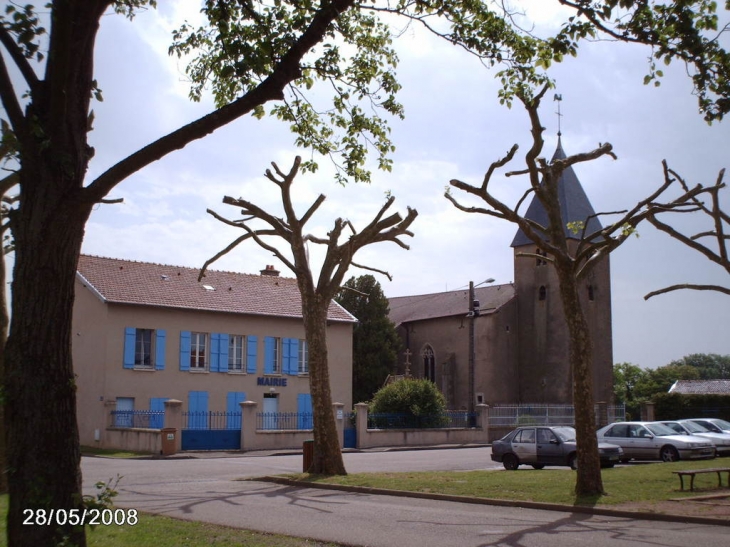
[
  {"x": 111, "y": 201},
  {"x": 18, "y": 58},
  {"x": 386, "y": 274},
  {"x": 716, "y": 288}
]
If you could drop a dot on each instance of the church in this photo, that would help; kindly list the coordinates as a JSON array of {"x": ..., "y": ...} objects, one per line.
[{"x": 508, "y": 344}]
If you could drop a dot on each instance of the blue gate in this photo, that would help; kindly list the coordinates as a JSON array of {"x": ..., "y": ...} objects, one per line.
[{"x": 211, "y": 431}]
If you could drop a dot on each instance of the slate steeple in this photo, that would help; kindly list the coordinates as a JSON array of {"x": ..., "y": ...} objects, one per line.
[{"x": 574, "y": 205}]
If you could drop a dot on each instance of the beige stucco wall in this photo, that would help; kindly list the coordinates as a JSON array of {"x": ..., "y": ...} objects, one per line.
[{"x": 98, "y": 347}]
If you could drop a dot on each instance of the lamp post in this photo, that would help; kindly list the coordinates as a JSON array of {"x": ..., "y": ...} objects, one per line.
[{"x": 473, "y": 314}]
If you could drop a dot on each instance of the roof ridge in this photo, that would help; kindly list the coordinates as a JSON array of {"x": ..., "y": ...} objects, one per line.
[{"x": 148, "y": 263}]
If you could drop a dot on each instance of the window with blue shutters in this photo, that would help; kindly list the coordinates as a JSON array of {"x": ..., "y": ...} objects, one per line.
[
  {"x": 272, "y": 357},
  {"x": 304, "y": 411},
  {"x": 144, "y": 349},
  {"x": 236, "y": 352},
  {"x": 185, "y": 350},
  {"x": 251, "y": 354},
  {"x": 219, "y": 352},
  {"x": 303, "y": 358},
  {"x": 290, "y": 355}
]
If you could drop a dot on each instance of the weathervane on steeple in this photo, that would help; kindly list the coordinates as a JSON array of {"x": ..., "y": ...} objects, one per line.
[{"x": 558, "y": 98}]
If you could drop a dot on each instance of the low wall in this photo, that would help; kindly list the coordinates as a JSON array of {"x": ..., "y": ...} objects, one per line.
[
  {"x": 133, "y": 439},
  {"x": 276, "y": 440}
]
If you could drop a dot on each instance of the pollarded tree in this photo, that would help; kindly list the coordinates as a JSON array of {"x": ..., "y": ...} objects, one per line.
[
  {"x": 341, "y": 243},
  {"x": 375, "y": 342},
  {"x": 572, "y": 253}
]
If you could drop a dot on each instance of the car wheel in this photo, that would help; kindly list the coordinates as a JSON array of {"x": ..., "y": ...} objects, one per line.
[
  {"x": 510, "y": 462},
  {"x": 626, "y": 460},
  {"x": 607, "y": 465},
  {"x": 669, "y": 454},
  {"x": 538, "y": 465},
  {"x": 573, "y": 461}
]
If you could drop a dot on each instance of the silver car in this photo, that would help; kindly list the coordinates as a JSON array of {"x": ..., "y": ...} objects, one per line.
[
  {"x": 713, "y": 424},
  {"x": 688, "y": 427},
  {"x": 655, "y": 441}
]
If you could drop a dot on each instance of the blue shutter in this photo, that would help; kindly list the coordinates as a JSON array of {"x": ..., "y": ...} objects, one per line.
[
  {"x": 269, "y": 349},
  {"x": 130, "y": 340},
  {"x": 223, "y": 353},
  {"x": 197, "y": 410},
  {"x": 160, "y": 350},
  {"x": 251, "y": 354},
  {"x": 291, "y": 355},
  {"x": 304, "y": 411},
  {"x": 185, "y": 350},
  {"x": 157, "y": 404},
  {"x": 215, "y": 342},
  {"x": 233, "y": 409}
]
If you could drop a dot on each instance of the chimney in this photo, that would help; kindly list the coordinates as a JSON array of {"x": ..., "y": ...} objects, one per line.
[{"x": 270, "y": 271}]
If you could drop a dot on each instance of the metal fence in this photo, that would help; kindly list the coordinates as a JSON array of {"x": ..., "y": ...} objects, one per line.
[
  {"x": 284, "y": 420},
  {"x": 518, "y": 415},
  {"x": 211, "y": 420},
  {"x": 146, "y": 419},
  {"x": 449, "y": 419}
]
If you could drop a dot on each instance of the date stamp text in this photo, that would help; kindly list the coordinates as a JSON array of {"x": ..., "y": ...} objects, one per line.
[{"x": 80, "y": 517}]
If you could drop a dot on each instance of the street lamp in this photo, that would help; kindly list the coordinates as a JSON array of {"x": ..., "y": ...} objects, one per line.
[{"x": 473, "y": 313}]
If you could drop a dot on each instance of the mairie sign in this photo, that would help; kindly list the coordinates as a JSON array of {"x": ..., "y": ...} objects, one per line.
[{"x": 266, "y": 381}]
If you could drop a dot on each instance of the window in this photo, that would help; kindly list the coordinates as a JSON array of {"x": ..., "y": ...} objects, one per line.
[
  {"x": 429, "y": 364},
  {"x": 541, "y": 261},
  {"x": 236, "y": 343},
  {"x": 303, "y": 360},
  {"x": 198, "y": 344},
  {"x": 591, "y": 293},
  {"x": 542, "y": 293},
  {"x": 144, "y": 349},
  {"x": 526, "y": 436}
]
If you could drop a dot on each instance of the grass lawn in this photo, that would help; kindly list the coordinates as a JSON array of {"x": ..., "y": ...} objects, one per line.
[
  {"x": 167, "y": 532},
  {"x": 650, "y": 482}
]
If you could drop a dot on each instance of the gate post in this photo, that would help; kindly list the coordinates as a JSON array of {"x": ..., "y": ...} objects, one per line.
[
  {"x": 483, "y": 411},
  {"x": 337, "y": 410},
  {"x": 248, "y": 425},
  {"x": 173, "y": 418},
  {"x": 362, "y": 424}
]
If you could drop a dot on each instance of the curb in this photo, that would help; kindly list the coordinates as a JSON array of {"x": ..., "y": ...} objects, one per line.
[{"x": 664, "y": 517}]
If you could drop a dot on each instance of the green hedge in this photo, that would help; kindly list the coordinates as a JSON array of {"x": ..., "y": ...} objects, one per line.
[{"x": 674, "y": 406}]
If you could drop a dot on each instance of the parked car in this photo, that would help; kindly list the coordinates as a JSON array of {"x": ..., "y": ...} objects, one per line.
[
  {"x": 713, "y": 424},
  {"x": 655, "y": 441},
  {"x": 541, "y": 446},
  {"x": 688, "y": 427}
]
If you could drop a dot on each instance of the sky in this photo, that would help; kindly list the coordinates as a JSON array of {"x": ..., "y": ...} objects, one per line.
[{"x": 454, "y": 127}]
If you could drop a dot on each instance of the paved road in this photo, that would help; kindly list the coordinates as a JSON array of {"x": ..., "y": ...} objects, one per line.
[{"x": 205, "y": 490}]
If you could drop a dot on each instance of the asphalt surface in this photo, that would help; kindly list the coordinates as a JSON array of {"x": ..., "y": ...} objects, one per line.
[{"x": 209, "y": 487}]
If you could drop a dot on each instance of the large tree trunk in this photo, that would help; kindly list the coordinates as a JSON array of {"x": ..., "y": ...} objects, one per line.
[
  {"x": 4, "y": 322},
  {"x": 43, "y": 453},
  {"x": 327, "y": 458},
  {"x": 589, "y": 481}
]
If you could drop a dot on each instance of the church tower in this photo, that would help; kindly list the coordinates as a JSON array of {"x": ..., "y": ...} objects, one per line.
[{"x": 543, "y": 362}]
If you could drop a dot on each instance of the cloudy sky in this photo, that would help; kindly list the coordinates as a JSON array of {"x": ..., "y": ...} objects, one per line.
[{"x": 454, "y": 128}]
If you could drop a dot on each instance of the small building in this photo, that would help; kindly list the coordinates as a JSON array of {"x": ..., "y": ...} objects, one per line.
[
  {"x": 521, "y": 340},
  {"x": 144, "y": 333}
]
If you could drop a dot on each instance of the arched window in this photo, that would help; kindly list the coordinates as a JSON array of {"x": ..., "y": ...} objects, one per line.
[
  {"x": 429, "y": 364},
  {"x": 540, "y": 261},
  {"x": 542, "y": 293}
]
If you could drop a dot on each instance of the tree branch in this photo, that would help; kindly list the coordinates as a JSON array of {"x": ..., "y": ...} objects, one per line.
[
  {"x": 19, "y": 59},
  {"x": 716, "y": 288},
  {"x": 10, "y": 101},
  {"x": 286, "y": 71}
]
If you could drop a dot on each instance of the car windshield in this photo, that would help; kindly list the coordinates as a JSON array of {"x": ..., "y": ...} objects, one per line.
[
  {"x": 660, "y": 430},
  {"x": 694, "y": 428},
  {"x": 722, "y": 424},
  {"x": 566, "y": 434}
]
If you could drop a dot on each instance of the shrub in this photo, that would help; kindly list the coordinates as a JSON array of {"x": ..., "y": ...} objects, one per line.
[{"x": 411, "y": 396}]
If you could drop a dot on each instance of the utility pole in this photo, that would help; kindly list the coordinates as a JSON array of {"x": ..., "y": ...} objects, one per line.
[{"x": 472, "y": 356}]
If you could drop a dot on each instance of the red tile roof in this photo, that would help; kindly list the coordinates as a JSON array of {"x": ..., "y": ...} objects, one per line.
[{"x": 147, "y": 284}]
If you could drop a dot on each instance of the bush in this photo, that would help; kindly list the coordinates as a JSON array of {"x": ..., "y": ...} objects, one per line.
[{"x": 412, "y": 397}]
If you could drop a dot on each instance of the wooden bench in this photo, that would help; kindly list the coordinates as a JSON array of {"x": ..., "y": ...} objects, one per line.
[{"x": 693, "y": 472}]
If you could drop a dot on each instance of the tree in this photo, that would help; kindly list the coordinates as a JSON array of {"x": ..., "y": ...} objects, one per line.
[
  {"x": 316, "y": 295},
  {"x": 626, "y": 377},
  {"x": 572, "y": 253},
  {"x": 710, "y": 366},
  {"x": 252, "y": 54},
  {"x": 375, "y": 342},
  {"x": 659, "y": 380}
]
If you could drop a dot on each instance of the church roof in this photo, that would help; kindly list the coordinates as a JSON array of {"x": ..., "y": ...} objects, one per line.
[
  {"x": 574, "y": 205},
  {"x": 404, "y": 309},
  {"x": 701, "y": 387}
]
